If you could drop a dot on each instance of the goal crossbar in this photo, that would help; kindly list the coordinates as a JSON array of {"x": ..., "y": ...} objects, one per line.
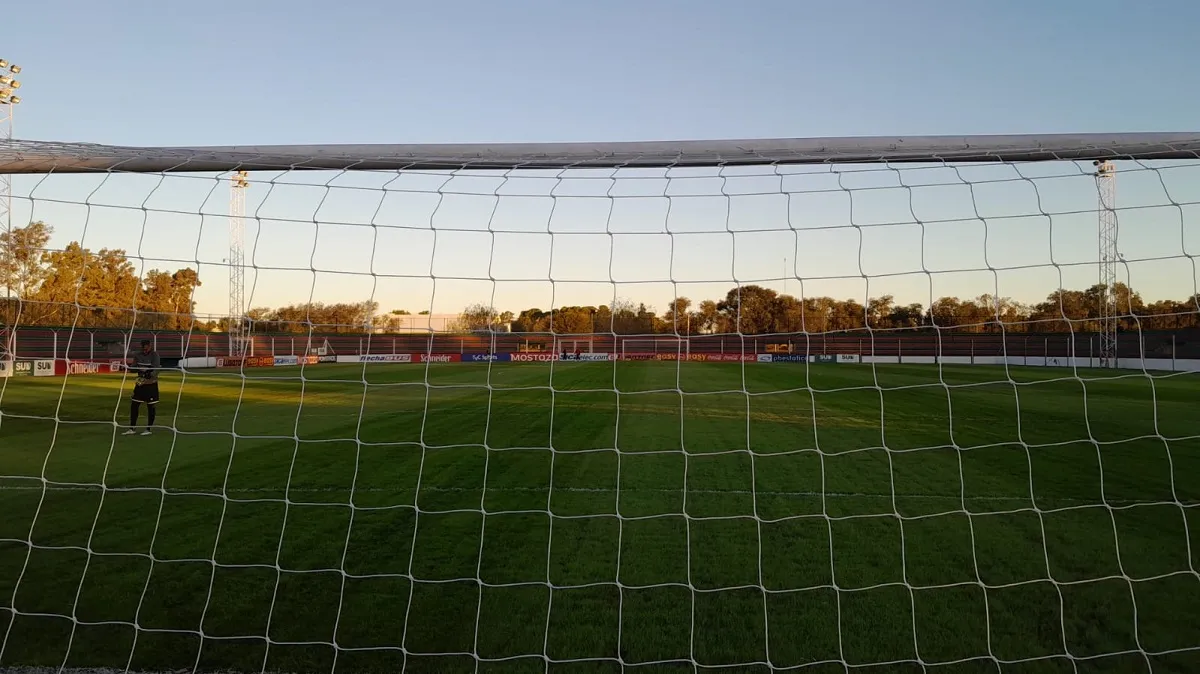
[{"x": 26, "y": 156}]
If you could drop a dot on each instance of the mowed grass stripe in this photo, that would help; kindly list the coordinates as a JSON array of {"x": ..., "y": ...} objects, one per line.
[{"x": 854, "y": 509}]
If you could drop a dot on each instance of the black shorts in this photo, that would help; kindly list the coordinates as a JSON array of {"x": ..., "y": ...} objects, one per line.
[{"x": 146, "y": 393}]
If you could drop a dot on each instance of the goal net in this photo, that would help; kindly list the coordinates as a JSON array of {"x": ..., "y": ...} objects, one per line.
[{"x": 939, "y": 409}]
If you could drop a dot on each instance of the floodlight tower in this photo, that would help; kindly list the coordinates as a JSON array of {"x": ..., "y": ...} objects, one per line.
[
  {"x": 8, "y": 101},
  {"x": 1106, "y": 186},
  {"x": 239, "y": 327}
]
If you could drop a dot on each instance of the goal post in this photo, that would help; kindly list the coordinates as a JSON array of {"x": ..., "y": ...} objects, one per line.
[
  {"x": 319, "y": 346},
  {"x": 39, "y": 157},
  {"x": 938, "y": 408}
]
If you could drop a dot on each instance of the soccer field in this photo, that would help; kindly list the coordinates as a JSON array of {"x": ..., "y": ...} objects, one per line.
[{"x": 463, "y": 518}]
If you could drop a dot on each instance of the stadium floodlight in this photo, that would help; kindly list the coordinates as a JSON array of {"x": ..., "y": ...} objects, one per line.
[
  {"x": 8, "y": 85},
  {"x": 8, "y": 99},
  {"x": 753, "y": 497}
]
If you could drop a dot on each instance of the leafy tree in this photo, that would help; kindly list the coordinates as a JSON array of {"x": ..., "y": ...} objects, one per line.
[
  {"x": 708, "y": 316},
  {"x": 677, "y": 319},
  {"x": 789, "y": 314},
  {"x": 21, "y": 251},
  {"x": 629, "y": 318},
  {"x": 157, "y": 300},
  {"x": 477, "y": 316},
  {"x": 316, "y": 317},
  {"x": 879, "y": 311},
  {"x": 88, "y": 289},
  {"x": 749, "y": 309},
  {"x": 530, "y": 320},
  {"x": 183, "y": 290},
  {"x": 910, "y": 316}
]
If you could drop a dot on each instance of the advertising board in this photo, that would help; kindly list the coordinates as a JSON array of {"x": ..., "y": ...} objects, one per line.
[
  {"x": 486, "y": 357},
  {"x": 327, "y": 359},
  {"x": 595, "y": 356},
  {"x": 691, "y": 357},
  {"x": 281, "y": 361},
  {"x": 230, "y": 361},
  {"x": 26, "y": 368},
  {"x": 847, "y": 358},
  {"x": 308, "y": 360},
  {"x": 824, "y": 358},
  {"x": 436, "y": 358},
  {"x": 637, "y": 356},
  {"x": 65, "y": 367},
  {"x": 527, "y": 357},
  {"x": 789, "y": 358},
  {"x": 259, "y": 361},
  {"x": 764, "y": 358},
  {"x": 384, "y": 358}
]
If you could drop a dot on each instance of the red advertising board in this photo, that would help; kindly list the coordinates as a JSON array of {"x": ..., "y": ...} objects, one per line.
[
  {"x": 63, "y": 366},
  {"x": 691, "y": 357},
  {"x": 249, "y": 361},
  {"x": 735, "y": 357}
]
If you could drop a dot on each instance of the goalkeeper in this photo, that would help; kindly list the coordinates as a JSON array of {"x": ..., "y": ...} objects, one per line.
[{"x": 146, "y": 364}]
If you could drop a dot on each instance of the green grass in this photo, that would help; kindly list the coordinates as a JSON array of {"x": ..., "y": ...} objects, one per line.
[{"x": 775, "y": 513}]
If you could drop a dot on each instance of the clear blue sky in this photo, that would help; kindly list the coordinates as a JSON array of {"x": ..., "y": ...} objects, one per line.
[{"x": 295, "y": 71}]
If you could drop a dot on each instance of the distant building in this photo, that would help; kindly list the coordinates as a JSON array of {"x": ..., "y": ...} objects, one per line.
[
  {"x": 393, "y": 323},
  {"x": 416, "y": 323}
]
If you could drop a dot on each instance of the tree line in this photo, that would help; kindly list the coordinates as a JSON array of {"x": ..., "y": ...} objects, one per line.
[
  {"x": 78, "y": 286},
  {"x": 753, "y": 309},
  {"x": 85, "y": 288}
]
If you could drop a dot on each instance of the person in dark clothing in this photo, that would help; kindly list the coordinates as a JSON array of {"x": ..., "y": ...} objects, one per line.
[{"x": 146, "y": 365}]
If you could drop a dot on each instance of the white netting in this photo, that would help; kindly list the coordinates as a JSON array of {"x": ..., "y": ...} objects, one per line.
[{"x": 864, "y": 469}]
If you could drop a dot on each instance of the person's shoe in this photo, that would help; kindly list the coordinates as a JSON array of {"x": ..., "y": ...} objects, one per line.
[
  {"x": 146, "y": 432},
  {"x": 129, "y": 432}
]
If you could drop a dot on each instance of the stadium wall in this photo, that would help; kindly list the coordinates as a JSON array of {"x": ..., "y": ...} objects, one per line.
[
  {"x": 41, "y": 367},
  {"x": 80, "y": 344}
]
